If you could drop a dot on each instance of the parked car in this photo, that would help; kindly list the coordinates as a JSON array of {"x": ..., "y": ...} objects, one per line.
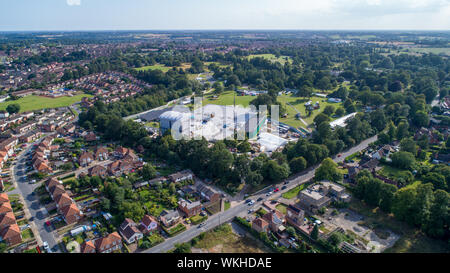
[
  {"x": 259, "y": 199},
  {"x": 251, "y": 202},
  {"x": 283, "y": 188},
  {"x": 276, "y": 190}
]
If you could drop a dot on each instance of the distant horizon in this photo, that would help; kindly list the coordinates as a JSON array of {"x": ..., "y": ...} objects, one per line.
[
  {"x": 219, "y": 30},
  {"x": 145, "y": 15}
]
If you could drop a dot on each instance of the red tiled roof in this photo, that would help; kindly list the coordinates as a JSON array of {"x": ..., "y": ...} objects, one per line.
[{"x": 87, "y": 247}]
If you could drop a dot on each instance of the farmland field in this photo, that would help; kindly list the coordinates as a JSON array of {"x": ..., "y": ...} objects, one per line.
[{"x": 31, "y": 103}]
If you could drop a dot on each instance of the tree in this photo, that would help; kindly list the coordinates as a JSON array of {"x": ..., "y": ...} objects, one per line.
[
  {"x": 439, "y": 215},
  {"x": 148, "y": 171},
  {"x": 298, "y": 164},
  {"x": 244, "y": 147},
  {"x": 315, "y": 232},
  {"x": 13, "y": 108},
  {"x": 402, "y": 130},
  {"x": 408, "y": 145},
  {"x": 329, "y": 110},
  {"x": 328, "y": 171},
  {"x": 183, "y": 248},
  {"x": 275, "y": 172},
  {"x": 421, "y": 119},
  {"x": 403, "y": 160},
  {"x": 437, "y": 179},
  {"x": 339, "y": 112},
  {"x": 321, "y": 118}
]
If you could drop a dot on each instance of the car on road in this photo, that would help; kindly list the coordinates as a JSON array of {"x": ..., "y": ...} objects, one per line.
[
  {"x": 201, "y": 225},
  {"x": 46, "y": 247},
  {"x": 251, "y": 203},
  {"x": 283, "y": 188},
  {"x": 248, "y": 200},
  {"x": 259, "y": 199},
  {"x": 285, "y": 183},
  {"x": 269, "y": 193},
  {"x": 339, "y": 155},
  {"x": 250, "y": 211}
]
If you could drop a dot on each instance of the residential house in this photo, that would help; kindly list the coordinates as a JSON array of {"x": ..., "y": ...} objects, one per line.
[
  {"x": 189, "y": 208},
  {"x": 56, "y": 191},
  {"x": 181, "y": 176},
  {"x": 87, "y": 247},
  {"x": 260, "y": 225},
  {"x": 208, "y": 193},
  {"x": 71, "y": 213},
  {"x": 63, "y": 200},
  {"x": 98, "y": 170},
  {"x": 101, "y": 153},
  {"x": 149, "y": 224},
  {"x": 5, "y": 208},
  {"x": 7, "y": 219},
  {"x": 295, "y": 216},
  {"x": 11, "y": 235},
  {"x": 86, "y": 158},
  {"x": 276, "y": 219},
  {"x": 129, "y": 231},
  {"x": 90, "y": 137},
  {"x": 169, "y": 218},
  {"x": 108, "y": 244},
  {"x": 51, "y": 182}
]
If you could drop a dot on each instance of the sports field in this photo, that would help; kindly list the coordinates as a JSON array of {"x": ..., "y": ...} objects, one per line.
[{"x": 31, "y": 103}]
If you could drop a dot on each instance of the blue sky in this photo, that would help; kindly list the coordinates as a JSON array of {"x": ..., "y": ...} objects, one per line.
[{"x": 223, "y": 14}]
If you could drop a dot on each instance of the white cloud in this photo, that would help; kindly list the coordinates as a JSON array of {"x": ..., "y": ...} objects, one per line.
[{"x": 73, "y": 2}]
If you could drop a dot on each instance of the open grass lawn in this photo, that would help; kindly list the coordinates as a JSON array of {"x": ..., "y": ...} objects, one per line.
[
  {"x": 162, "y": 67},
  {"x": 282, "y": 208},
  {"x": 412, "y": 240},
  {"x": 299, "y": 104},
  {"x": 282, "y": 59},
  {"x": 434, "y": 50},
  {"x": 154, "y": 208},
  {"x": 293, "y": 192},
  {"x": 392, "y": 172},
  {"x": 31, "y": 103},
  {"x": 227, "y": 205},
  {"x": 223, "y": 240},
  {"x": 27, "y": 234},
  {"x": 227, "y": 98}
]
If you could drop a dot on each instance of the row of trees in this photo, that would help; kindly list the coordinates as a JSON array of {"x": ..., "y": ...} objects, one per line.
[{"x": 419, "y": 204}]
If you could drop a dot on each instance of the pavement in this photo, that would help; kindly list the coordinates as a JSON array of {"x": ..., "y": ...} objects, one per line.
[{"x": 241, "y": 207}]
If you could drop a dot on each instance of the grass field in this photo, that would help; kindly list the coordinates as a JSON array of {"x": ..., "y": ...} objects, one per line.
[
  {"x": 31, "y": 103},
  {"x": 162, "y": 67},
  {"x": 299, "y": 104},
  {"x": 282, "y": 59},
  {"x": 223, "y": 240},
  {"x": 293, "y": 192},
  {"x": 227, "y": 98}
]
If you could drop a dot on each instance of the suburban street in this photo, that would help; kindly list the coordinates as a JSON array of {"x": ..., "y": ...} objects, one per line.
[
  {"x": 242, "y": 207},
  {"x": 34, "y": 211}
]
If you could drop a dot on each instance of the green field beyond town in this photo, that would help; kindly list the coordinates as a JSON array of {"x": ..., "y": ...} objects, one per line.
[{"x": 31, "y": 103}]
